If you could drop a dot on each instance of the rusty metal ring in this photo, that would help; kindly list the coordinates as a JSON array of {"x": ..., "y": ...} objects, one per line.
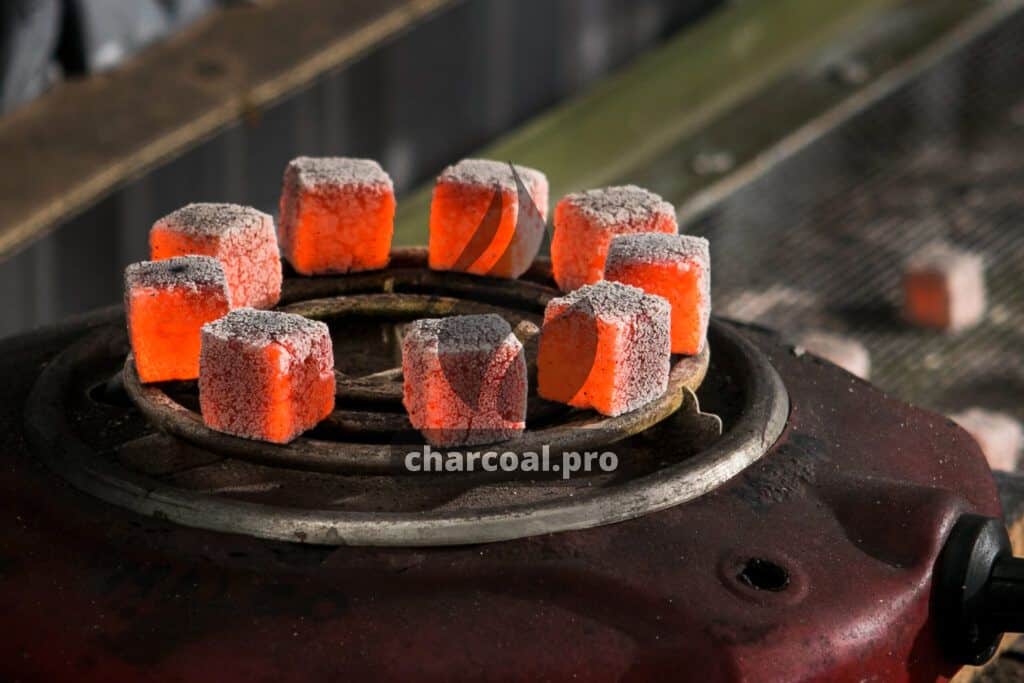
[
  {"x": 584, "y": 430},
  {"x": 763, "y": 414}
]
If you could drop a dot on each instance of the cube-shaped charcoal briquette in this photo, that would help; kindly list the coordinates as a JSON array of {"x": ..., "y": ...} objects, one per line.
[
  {"x": 677, "y": 267},
  {"x": 240, "y": 237},
  {"x": 998, "y": 434},
  {"x": 586, "y": 222},
  {"x": 337, "y": 215},
  {"x": 464, "y": 379},
  {"x": 265, "y": 375},
  {"x": 166, "y": 303},
  {"x": 605, "y": 346},
  {"x": 846, "y": 352},
  {"x": 944, "y": 288},
  {"x": 479, "y": 221}
]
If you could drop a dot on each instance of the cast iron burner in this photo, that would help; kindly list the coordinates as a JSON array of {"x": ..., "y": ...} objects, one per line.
[
  {"x": 807, "y": 542},
  {"x": 370, "y": 435}
]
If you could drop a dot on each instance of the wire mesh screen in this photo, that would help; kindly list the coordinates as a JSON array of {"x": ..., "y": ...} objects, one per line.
[{"x": 819, "y": 242}]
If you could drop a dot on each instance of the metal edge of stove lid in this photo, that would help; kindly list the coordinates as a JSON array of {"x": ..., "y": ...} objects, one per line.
[
  {"x": 763, "y": 420},
  {"x": 744, "y": 121}
]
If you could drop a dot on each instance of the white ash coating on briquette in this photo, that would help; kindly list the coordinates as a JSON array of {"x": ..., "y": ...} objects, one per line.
[
  {"x": 213, "y": 220},
  {"x": 644, "y": 356},
  {"x": 258, "y": 328},
  {"x": 187, "y": 272},
  {"x": 490, "y": 173},
  {"x": 680, "y": 253},
  {"x": 235, "y": 371},
  {"x": 653, "y": 247},
  {"x": 619, "y": 205},
  {"x": 464, "y": 379},
  {"x": 333, "y": 172},
  {"x": 945, "y": 259},
  {"x": 614, "y": 300},
  {"x": 461, "y": 333}
]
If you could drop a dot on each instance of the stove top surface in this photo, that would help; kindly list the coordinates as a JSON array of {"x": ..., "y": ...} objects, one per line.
[{"x": 814, "y": 560}]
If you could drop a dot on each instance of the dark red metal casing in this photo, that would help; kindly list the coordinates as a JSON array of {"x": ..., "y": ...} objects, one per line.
[{"x": 854, "y": 501}]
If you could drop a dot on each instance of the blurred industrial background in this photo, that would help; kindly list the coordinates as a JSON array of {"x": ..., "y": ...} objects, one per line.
[
  {"x": 818, "y": 143},
  {"x": 435, "y": 81}
]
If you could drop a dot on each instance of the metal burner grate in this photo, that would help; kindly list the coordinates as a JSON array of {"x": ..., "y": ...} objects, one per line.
[{"x": 345, "y": 482}]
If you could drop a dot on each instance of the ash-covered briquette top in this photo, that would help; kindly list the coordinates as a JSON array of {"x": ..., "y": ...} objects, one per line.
[
  {"x": 490, "y": 173},
  {"x": 462, "y": 333},
  {"x": 614, "y": 300},
  {"x": 191, "y": 272},
  {"x": 327, "y": 172},
  {"x": 617, "y": 205},
  {"x": 213, "y": 220},
  {"x": 259, "y": 328},
  {"x": 652, "y": 247},
  {"x": 942, "y": 257}
]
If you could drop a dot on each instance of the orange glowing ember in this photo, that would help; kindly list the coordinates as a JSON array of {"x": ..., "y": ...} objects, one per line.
[
  {"x": 241, "y": 238},
  {"x": 166, "y": 303},
  {"x": 464, "y": 379},
  {"x": 337, "y": 215},
  {"x": 676, "y": 267},
  {"x": 944, "y": 287},
  {"x": 586, "y": 222},
  {"x": 478, "y": 222},
  {"x": 265, "y": 375},
  {"x": 605, "y": 346}
]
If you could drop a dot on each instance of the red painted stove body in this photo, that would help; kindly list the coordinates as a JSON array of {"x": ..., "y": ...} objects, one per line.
[{"x": 854, "y": 502}]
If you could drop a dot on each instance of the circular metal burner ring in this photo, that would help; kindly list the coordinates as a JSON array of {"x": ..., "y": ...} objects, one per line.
[
  {"x": 54, "y": 431},
  {"x": 54, "y": 437},
  {"x": 577, "y": 431}
]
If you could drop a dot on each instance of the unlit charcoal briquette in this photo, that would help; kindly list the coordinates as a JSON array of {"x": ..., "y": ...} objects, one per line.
[
  {"x": 240, "y": 237},
  {"x": 464, "y": 379},
  {"x": 337, "y": 215},
  {"x": 265, "y": 375},
  {"x": 586, "y": 222},
  {"x": 605, "y": 346},
  {"x": 677, "y": 267}
]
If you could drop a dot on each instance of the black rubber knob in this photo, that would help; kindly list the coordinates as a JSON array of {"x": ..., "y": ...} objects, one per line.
[
  {"x": 979, "y": 589},
  {"x": 1004, "y": 596}
]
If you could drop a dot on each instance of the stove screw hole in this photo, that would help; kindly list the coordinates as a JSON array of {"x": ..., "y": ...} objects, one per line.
[{"x": 764, "y": 575}]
